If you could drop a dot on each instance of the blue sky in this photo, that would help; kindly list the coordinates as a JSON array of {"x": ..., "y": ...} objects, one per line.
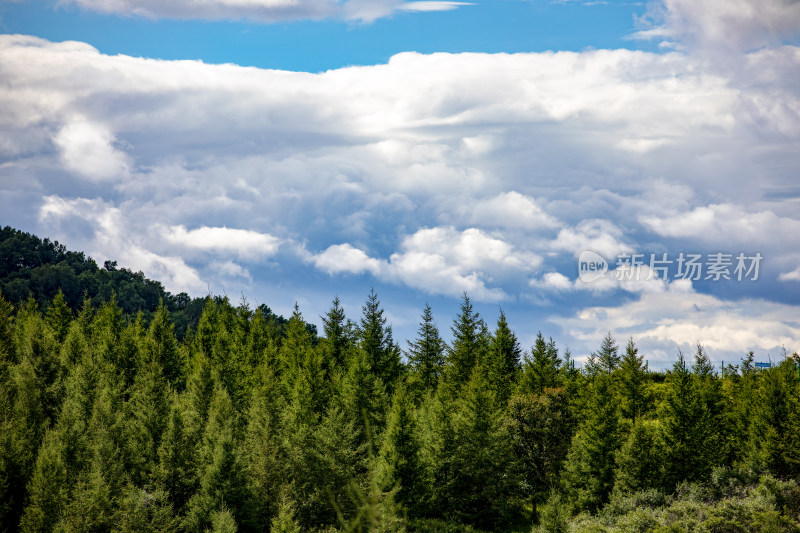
[
  {"x": 317, "y": 45},
  {"x": 300, "y": 150}
]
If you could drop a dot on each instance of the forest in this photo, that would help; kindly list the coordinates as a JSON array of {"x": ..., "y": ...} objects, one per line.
[{"x": 125, "y": 408}]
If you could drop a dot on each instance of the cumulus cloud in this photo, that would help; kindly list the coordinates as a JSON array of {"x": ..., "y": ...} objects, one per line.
[
  {"x": 244, "y": 243},
  {"x": 680, "y": 319},
  {"x": 440, "y": 173},
  {"x": 111, "y": 240},
  {"x": 738, "y": 24},
  {"x": 88, "y": 149},
  {"x": 441, "y": 260}
]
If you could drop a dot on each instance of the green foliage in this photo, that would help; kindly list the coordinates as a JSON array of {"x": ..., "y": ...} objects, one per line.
[
  {"x": 468, "y": 346},
  {"x": 540, "y": 427},
  {"x": 375, "y": 338},
  {"x": 111, "y": 419},
  {"x": 589, "y": 471},
  {"x": 426, "y": 353},
  {"x": 632, "y": 384},
  {"x": 605, "y": 360},
  {"x": 541, "y": 370},
  {"x": 503, "y": 359}
]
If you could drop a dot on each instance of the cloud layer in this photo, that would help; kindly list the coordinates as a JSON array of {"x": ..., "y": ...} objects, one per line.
[
  {"x": 266, "y": 11},
  {"x": 441, "y": 173}
]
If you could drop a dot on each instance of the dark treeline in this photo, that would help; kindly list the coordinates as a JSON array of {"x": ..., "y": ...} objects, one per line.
[
  {"x": 109, "y": 422},
  {"x": 36, "y": 268}
]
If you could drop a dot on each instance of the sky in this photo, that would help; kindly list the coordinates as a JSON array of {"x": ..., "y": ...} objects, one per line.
[{"x": 585, "y": 166}]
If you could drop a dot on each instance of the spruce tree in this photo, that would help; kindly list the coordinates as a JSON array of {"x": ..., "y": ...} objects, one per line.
[
  {"x": 376, "y": 340},
  {"x": 503, "y": 359},
  {"x": 590, "y": 465},
  {"x": 685, "y": 428},
  {"x": 640, "y": 461},
  {"x": 400, "y": 468},
  {"x": 633, "y": 384},
  {"x": 466, "y": 349},
  {"x": 426, "y": 353},
  {"x": 163, "y": 347},
  {"x": 338, "y": 334},
  {"x": 606, "y": 359},
  {"x": 542, "y": 369}
]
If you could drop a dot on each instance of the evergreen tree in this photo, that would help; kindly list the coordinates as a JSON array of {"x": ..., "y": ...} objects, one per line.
[
  {"x": 640, "y": 462},
  {"x": 376, "y": 341},
  {"x": 176, "y": 470},
  {"x": 685, "y": 428},
  {"x": 589, "y": 470},
  {"x": 633, "y": 384},
  {"x": 399, "y": 456},
  {"x": 338, "y": 334},
  {"x": 48, "y": 491},
  {"x": 466, "y": 349},
  {"x": 59, "y": 316},
  {"x": 484, "y": 488},
  {"x": 605, "y": 360},
  {"x": 542, "y": 369},
  {"x": 503, "y": 359},
  {"x": 426, "y": 353},
  {"x": 222, "y": 482},
  {"x": 775, "y": 431},
  {"x": 163, "y": 347}
]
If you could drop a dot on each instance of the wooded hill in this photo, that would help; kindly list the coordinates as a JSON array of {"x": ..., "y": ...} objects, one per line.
[{"x": 109, "y": 421}]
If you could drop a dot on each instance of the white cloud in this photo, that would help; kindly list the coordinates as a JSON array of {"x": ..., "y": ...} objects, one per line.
[
  {"x": 433, "y": 6},
  {"x": 441, "y": 260},
  {"x": 509, "y": 210},
  {"x": 794, "y": 275},
  {"x": 262, "y": 10},
  {"x": 88, "y": 149},
  {"x": 594, "y": 234},
  {"x": 510, "y": 162},
  {"x": 681, "y": 319},
  {"x": 112, "y": 240},
  {"x": 340, "y": 258},
  {"x": 738, "y": 24},
  {"x": 728, "y": 222},
  {"x": 244, "y": 243}
]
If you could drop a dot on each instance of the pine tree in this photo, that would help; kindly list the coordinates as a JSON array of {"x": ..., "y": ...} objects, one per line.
[
  {"x": 59, "y": 316},
  {"x": 264, "y": 455},
  {"x": 401, "y": 471},
  {"x": 685, "y": 428},
  {"x": 222, "y": 480},
  {"x": 338, "y": 334},
  {"x": 605, "y": 360},
  {"x": 426, "y": 353},
  {"x": 640, "y": 462},
  {"x": 775, "y": 440},
  {"x": 633, "y": 384},
  {"x": 483, "y": 488},
  {"x": 376, "y": 341},
  {"x": 48, "y": 488},
  {"x": 466, "y": 349},
  {"x": 542, "y": 369},
  {"x": 147, "y": 414},
  {"x": 177, "y": 458},
  {"x": 589, "y": 470},
  {"x": 503, "y": 359},
  {"x": 163, "y": 347}
]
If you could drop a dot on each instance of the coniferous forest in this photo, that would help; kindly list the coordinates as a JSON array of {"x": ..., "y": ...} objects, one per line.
[{"x": 126, "y": 408}]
